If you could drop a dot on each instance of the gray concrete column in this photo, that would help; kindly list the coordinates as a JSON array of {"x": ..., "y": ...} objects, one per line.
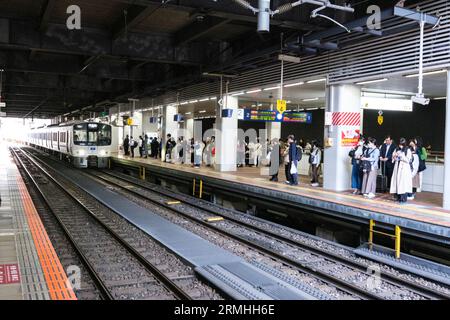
[
  {"x": 344, "y": 101},
  {"x": 446, "y": 203}
]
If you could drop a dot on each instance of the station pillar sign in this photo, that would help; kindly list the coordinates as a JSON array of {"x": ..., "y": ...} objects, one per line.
[
  {"x": 281, "y": 106},
  {"x": 380, "y": 118},
  {"x": 130, "y": 121}
]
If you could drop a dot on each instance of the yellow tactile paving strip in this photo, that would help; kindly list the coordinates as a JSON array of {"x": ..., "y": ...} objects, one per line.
[{"x": 56, "y": 279}]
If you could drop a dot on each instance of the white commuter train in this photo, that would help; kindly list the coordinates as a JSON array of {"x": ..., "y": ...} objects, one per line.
[{"x": 84, "y": 144}]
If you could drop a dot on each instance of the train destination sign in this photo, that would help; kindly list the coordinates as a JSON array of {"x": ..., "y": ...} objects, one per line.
[{"x": 275, "y": 116}]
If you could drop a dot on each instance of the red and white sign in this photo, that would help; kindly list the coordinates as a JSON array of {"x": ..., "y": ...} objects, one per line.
[
  {"x": 350, "y": 138},
  {"x": 347, "y": 119},
  {"x": 9, "y": 273}
]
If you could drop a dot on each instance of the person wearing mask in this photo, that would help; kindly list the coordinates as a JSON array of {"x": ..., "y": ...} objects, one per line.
[
  {"x": 401, "y": 183},
  {"x": 356, "y": 154},
  {"x": 370, "y": 159},
  {"x": 207, "y": 152},
  {"x": 141, "y": 146},
  {"x": 170, "y": 144},
  {"x": 315, "y": 159},
  {"x": 423, "y": 156},
  {"x": 415, "y": 163},
  {"x": 293, "y": 161},
  {"x": 274, "y": 165},
  {"x": 126, "y": 145},
  {"x": 386, "y": 152}
]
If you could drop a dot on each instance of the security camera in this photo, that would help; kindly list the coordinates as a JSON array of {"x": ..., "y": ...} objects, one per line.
[{"x": 420, "y": 99}]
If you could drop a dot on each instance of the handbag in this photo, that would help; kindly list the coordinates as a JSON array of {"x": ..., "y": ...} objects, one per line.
[{"x": 293, "y": 169}]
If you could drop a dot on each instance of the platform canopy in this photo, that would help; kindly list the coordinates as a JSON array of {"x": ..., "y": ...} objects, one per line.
[{"x": 144, "y": 48}]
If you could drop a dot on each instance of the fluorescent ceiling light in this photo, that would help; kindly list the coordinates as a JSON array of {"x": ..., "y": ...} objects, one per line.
[
  {"x": 313, "y": 109},
  {"x": 312, "y": 99},
  {"x": 289, "y": 101},
  {"x": 440, "y": 98},
  {"x": 202, "y": 111},
  {"x": 373, "y": 81},
  {"x": 317, "y": 80},
  {"x": 254, "y": 91},
  {"x": 272, "y": 88},
  {"x": 425, "y": 73},
  {"x": 188, "y": 113},
  {"x": 237, "y": 94},
  {"x": 184, "y": 103},
  {"x": 203, "y": 100},
  {"x": 213, "y": 98},
  {"x": 193, "y": 101},
  {"x": 294, "y": 84}
]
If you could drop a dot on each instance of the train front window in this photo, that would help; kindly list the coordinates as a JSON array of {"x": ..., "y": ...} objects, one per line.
[
  {"x": 80, "y": 134},
  {"x": 104, "y": 135},
  {"x": 92, "y": 134}
]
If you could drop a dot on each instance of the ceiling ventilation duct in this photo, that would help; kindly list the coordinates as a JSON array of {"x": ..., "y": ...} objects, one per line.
[{"x": 265, "y": 13}]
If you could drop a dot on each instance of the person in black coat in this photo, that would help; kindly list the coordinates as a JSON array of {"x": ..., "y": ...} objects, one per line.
[
  {"x": 126, "y": 145},
  {"x": 293, "y": 161},
  {"x": 386, "y": 153}
]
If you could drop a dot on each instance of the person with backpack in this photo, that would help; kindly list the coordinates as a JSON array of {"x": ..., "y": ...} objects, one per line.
[
  {"x": 423, "y": 156},
  {"x": 401, "y": 183},
  {"x": 369, "y": 163},
  {"x": 315, "y": 158},
  {"x": 293, "y": 162},
  {"x": 355, "y": 154}
]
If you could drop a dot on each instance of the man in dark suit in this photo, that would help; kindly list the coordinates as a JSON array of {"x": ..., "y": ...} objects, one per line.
[{"x": 386, "y": 152}]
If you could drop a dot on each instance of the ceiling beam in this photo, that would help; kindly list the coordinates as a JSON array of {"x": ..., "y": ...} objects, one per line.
[
  {"x": 135, "y": 14},
  {"x": 46, "y": 14},
  {"x": 200, "y": 27}
]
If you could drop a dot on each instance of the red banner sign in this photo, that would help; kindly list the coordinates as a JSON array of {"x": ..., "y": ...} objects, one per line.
[{"x": 9, "y": 273}]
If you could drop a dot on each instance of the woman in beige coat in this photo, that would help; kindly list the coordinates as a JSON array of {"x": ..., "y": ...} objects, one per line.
[
  {"x": 415, "y": 170},
  {"x": 401, "y": 184}
]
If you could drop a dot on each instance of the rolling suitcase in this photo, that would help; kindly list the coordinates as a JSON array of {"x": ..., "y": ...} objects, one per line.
[{"x": 382, "y": 180}]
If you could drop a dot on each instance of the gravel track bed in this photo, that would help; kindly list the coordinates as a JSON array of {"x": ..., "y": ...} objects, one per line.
[
  {"x": 385, "y": 289},
  {"x": 298, "y": 236},
  {"x": 165, "y": 261}
]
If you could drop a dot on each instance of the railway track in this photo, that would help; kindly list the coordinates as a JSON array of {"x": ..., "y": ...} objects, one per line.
[
  {"x": 118, "y": 270},
  {"x": 238, "y": 225},
  {"x": 347, "y": 274}
]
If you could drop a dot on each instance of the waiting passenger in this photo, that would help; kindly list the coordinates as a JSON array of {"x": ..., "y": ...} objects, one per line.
[
  {"x": 126, "y": 145},
  {"x": 285, "y": 156},
  {"x": 145, "y": 146},
  {"x": 133, "y": 145},
  {"x": 198, "y": 152},
  {"x": 386, "y": 152},
  {"x": 155, "y": 148},
  {"x": 293, "y": 161},
  {"x": 315, "y": 159},
  {"x": 401, "y": 184},
  {"x": 369, "y": 162},
  {"x": 423, "y": 156},
  {"x": 355, "y": 154},
  {"x": 240, "y": 150},
  {"x": 170, "y": 145},
  {"x": 141, "y": 146},
  {"x": 275, "y": 160},
  {"x": 415, "y": 162}
]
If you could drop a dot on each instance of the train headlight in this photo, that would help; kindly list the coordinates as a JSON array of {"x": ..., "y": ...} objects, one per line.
[
  {"x": 103, "y": 153},
  {"x": 82, "y": 153}
]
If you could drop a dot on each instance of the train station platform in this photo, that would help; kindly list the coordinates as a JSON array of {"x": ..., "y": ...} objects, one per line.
[
  {"x": 29, "y": 266},
  {"x": 422, "y": 217}
]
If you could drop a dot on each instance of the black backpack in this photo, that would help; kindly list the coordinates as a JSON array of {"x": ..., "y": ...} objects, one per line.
[{"x": 299, "y": 153}]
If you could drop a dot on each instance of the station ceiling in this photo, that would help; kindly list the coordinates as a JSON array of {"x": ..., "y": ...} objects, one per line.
[{"x": 136, "y": 48}]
